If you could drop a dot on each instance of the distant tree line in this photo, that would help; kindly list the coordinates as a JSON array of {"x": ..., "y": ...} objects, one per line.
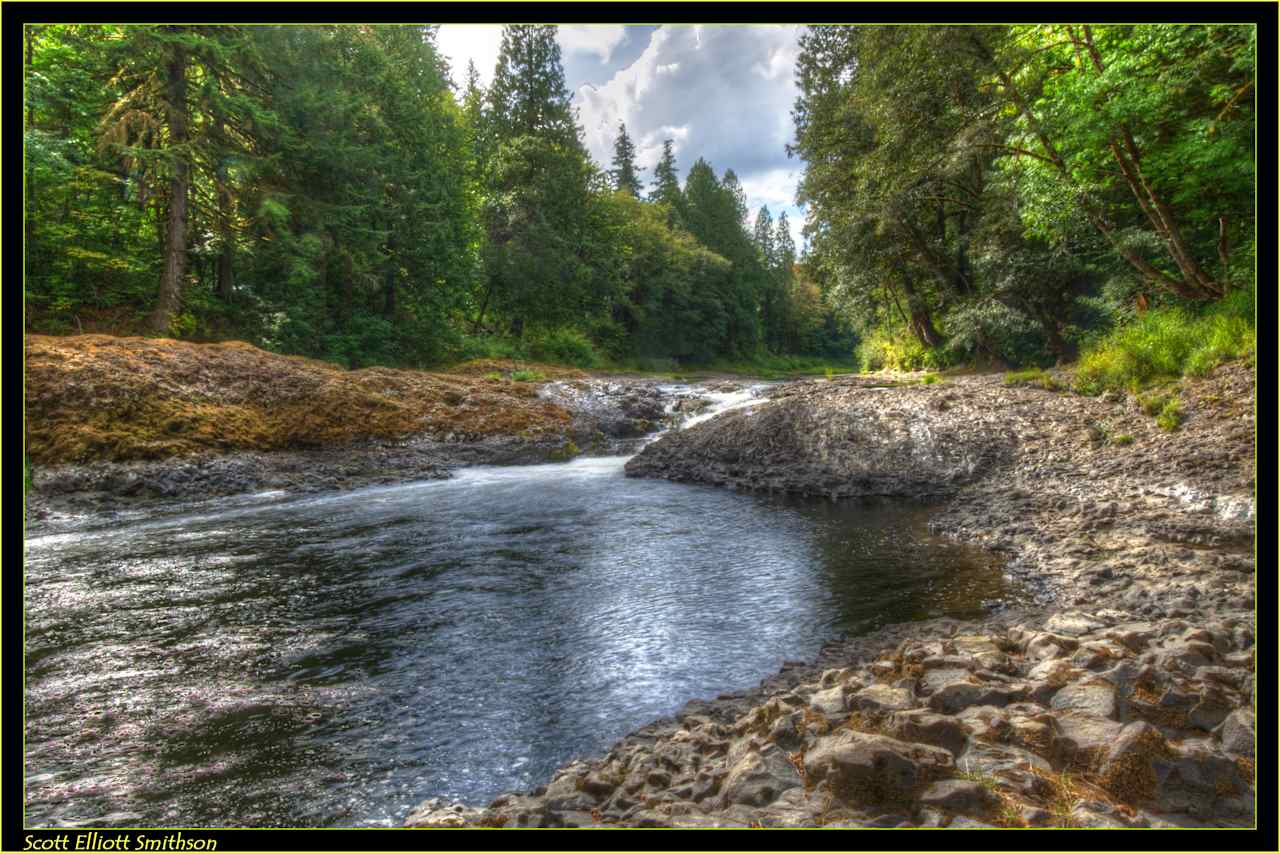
[{"x": 324, "y": 191}]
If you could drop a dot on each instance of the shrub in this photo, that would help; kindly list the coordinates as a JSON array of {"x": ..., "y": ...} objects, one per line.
[
  {"x": 564, "y": 346},
  {"x": 1170, "y": 417},
  {"x": 885, "y": 349},
  {"x": 931, "y": 379},
  {"x": 1151, "y": 404},
  {"x": 1168, "y": 343}
]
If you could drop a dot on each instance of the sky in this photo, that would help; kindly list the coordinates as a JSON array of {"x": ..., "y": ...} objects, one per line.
[{"x": 723, "y": 93}]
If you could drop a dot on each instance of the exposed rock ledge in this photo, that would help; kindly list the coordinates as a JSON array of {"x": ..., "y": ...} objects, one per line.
[{"x": 1126, "y": 700}]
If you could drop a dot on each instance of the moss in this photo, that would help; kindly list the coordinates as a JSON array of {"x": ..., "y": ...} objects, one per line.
[{"x": 564, "y": 452}]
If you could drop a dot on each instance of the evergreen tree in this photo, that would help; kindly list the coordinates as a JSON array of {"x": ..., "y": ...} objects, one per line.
[
  {"x": 185, "y": 109},
  {"x": 784, "y": 246},
  {"x": 528, "y": 95},
  {"x": 624, "y": 172},
  {"x": 764, "y": 238},
  {"x": 666, "y": 184}
]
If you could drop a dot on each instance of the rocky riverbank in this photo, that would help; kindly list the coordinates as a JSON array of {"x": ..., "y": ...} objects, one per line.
[
  {"x": 141, "y": 424},
  {"x": 1124, "y": 700}
]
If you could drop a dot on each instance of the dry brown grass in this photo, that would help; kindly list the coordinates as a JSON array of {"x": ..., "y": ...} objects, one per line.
[{"x": 98, "y": 397}]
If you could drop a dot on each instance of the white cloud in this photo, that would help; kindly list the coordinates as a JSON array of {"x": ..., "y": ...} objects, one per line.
[
  {"x": 476, "y": 42},
  {"x": 599, "y": 39},
  {"x": 723, "y": 93}
]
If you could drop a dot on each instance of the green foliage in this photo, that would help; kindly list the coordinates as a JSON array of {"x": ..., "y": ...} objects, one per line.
[
  {"x": 889, "y": 348},
  {"x": 1170, "y": 417},
  {"x": 931, "y": 379},
  {"x": 527, "y": 376},
  {"x": 1168, "y": 343},
  {"x": 564, "y": 346},
  {"x": 1153, "y": 403},
  {"x": 998, "y": 183},
  {"x": 1034, "y": 376}
]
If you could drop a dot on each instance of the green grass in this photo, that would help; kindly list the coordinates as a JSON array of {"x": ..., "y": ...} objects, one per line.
[
  {"x": 931, "y": 379},
  {"x": 1032, "y": 376},
  {"x": 527, "y": 376},
  {"x": 1170, "y": 417},
  {"x": 1169, "y": 343}
]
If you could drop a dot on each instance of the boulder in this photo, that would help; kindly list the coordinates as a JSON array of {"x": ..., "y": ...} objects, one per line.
[
  {"x": 860, "y": 767},
  {"x": 925, "y": 726},
  {"x": 957, "y": 696},
  {"x": 436, "y": 813},
  {"x": 1096, "y": 697},
  {"x": 1128, "y": 771},
  {"x": 759, "y": 778},
  {"x": 1238, "y": 733},
  {"x": 880, "y": 699},
  {"x": 830, "y": 701},
  {"x": 961, "y": 796},
  {"x": 1082, "y": 738}
]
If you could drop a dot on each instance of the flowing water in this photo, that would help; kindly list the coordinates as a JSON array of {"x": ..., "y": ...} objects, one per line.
[{"x": 333, "y": 660}]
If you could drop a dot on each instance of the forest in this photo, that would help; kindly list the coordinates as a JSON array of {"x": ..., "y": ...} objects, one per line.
[{"x": 1011, "y": 196}]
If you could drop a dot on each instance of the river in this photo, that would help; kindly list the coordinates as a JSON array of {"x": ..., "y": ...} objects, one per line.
[{"x": 332, "y": 660}]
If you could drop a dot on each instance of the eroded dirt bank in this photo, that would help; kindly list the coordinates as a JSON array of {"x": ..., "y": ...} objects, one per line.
[{"x": 1124, "y": 700}]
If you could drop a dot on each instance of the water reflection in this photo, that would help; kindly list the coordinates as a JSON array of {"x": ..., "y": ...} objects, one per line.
[{"x": 332, "y": 660}]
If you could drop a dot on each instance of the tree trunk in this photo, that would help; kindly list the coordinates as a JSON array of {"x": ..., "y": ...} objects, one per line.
[
  {"x": 226, "y": 283},
  {"x": 921, "y": 323},
  {"x": 175, "y": 248}
]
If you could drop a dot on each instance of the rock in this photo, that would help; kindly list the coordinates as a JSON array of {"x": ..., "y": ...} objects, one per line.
[
  {"x": 871, "y": 768},
  {"x": 1134, "y": 636},
  {"x": 1197, "y": 780},
  {"x": 880, "y": 699},
  {"x": 1072, "y": 624},
  {"x": 969, "y": 823},
  {"x": 928, "y": 727},
  {"x": 1184, "y": 657},
  {"x": 1047, "y": 646},
  {"x": 1036, "y": 816},
  {"x": 1211, "y": 710},
  {"x": 962, "y": 796},
  {"x": 759, "y": 778},
  {"x": 1088, "y": 816},
  {"x": 1082, "y": 738},
  {"x": 955, "y": 697},
  {"x": 935, "y": 679},
  {"x": 1238, "y": 733},
  {"x": 1128, "y": 771},
  {"x": 436, "y": 812},
  {"x": 1097, "y": 698},
  {"x": 830, "y": 701}
]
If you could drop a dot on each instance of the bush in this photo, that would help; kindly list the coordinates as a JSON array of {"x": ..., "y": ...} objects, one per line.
[
  {"x": 564, "y": 346},
  {"x": 1168, "y": 343},
  {"x": 472, "y": 347},
  {"x": 885, "y": 349},
  {"x": 1170, "y": 417}
]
